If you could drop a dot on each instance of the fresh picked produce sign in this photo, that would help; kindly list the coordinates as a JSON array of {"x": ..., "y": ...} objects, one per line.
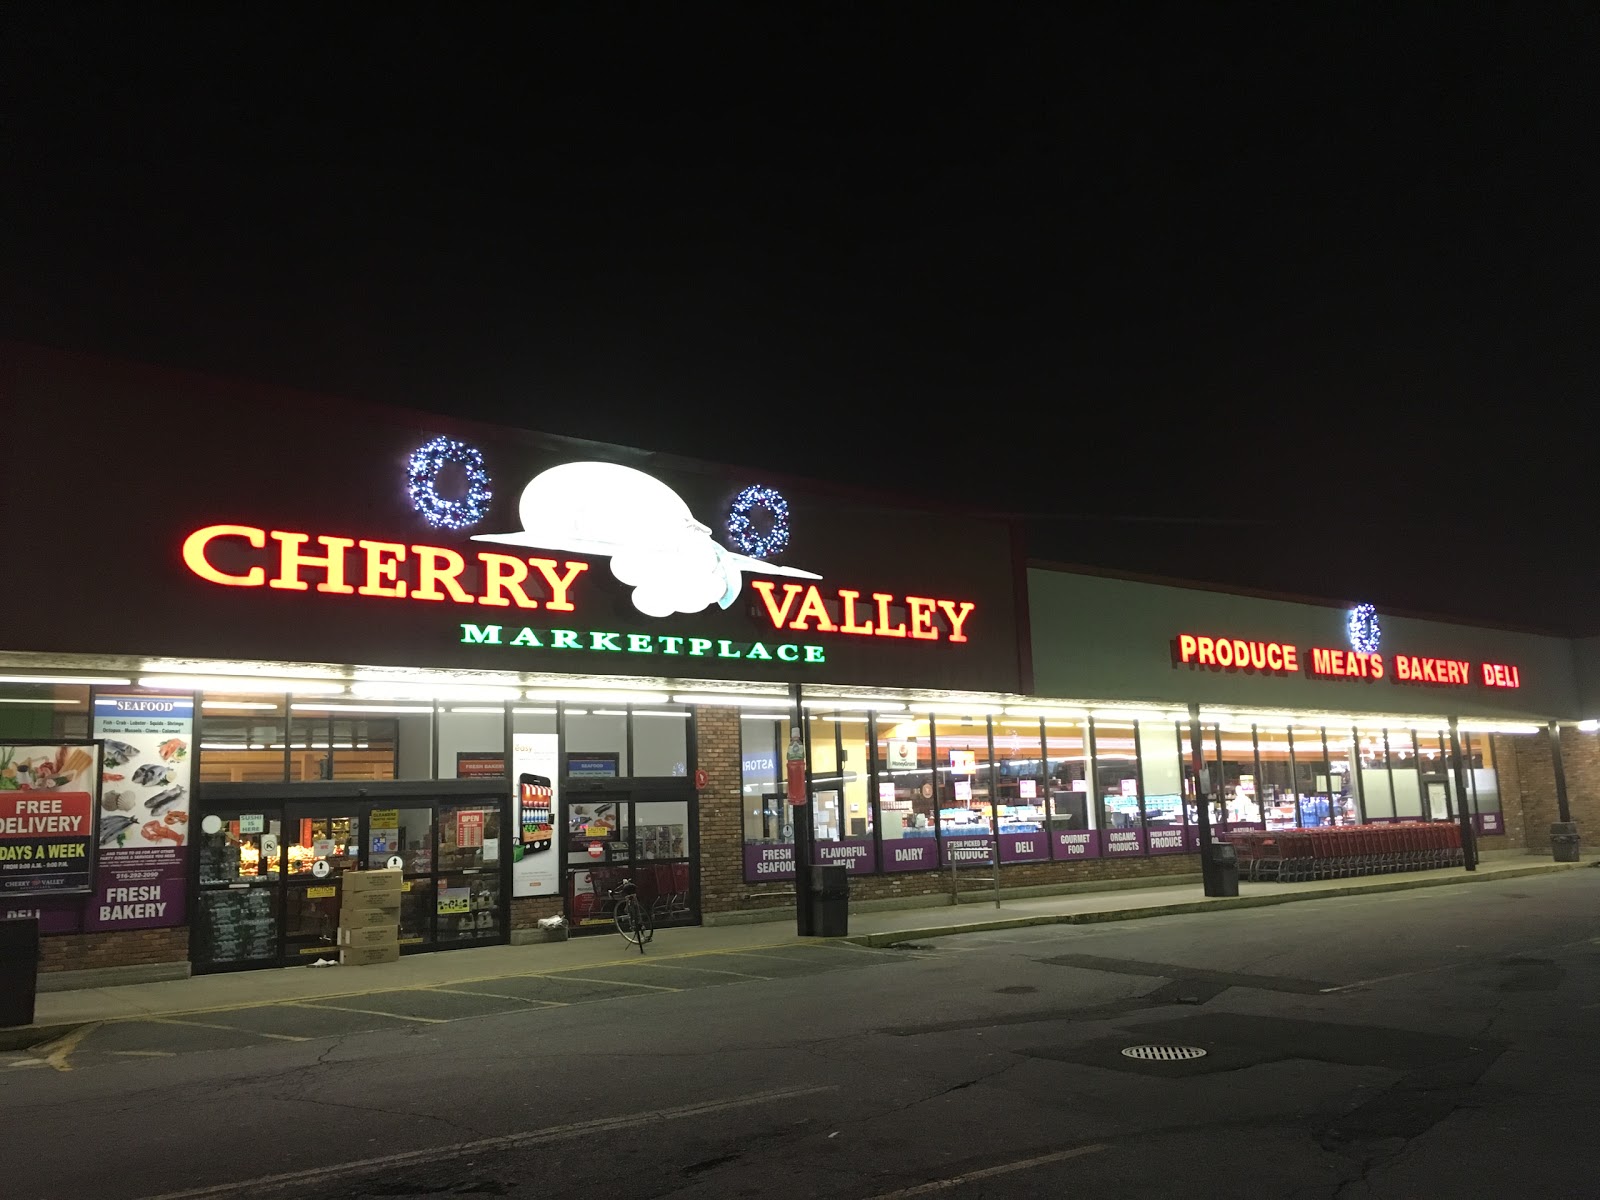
[{"x": 46, "y": 819}]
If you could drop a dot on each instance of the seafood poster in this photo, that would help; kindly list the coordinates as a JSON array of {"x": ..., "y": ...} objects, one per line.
[
  {"x": 46, "y": 819},
  {"x": 537, "y": 873},
  {"x": 146, "y": 785}
]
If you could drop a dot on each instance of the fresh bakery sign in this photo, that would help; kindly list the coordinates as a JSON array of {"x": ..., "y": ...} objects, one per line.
[
  {"x": 577, "y": 513},
  {"x": 1232, "y": 654}
]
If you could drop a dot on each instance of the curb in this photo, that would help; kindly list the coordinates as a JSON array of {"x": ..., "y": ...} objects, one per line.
[
  {"x": 1102, "y": 916},
  {"x": 25, "y": 1037}
]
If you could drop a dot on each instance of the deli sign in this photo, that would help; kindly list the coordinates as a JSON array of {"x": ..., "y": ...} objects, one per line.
[{"x": 1222, "y": 653}]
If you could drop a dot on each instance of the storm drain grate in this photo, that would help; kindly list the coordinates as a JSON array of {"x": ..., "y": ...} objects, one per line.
[{"x": 1163, "y": 1053}]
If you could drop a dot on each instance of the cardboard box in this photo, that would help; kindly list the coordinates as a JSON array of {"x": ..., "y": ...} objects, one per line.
[
  {"x": 367, "y": 956},
  {"x": 364, "y": 883},
  {"x": 365, "y": 916},
  {"x": 385, "y": 935}
]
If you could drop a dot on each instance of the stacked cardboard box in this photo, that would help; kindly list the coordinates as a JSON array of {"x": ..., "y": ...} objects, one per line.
[{"x": 369, "y": 917}]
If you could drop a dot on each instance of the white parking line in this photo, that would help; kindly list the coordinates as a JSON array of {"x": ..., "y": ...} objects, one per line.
[{"x": 944, "y": 1185}]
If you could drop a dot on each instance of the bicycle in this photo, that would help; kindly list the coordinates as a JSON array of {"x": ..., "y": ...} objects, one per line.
[{"x": 631, "y": 916}]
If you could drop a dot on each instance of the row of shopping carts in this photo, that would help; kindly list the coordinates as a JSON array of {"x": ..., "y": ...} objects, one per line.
[{"x": 1333, "y": 852}]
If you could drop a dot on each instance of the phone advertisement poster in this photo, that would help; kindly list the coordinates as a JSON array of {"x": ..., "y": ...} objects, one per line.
[{"x": 535, "y": 863}]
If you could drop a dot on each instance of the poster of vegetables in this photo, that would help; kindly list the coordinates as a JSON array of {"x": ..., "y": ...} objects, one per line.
[
  {"x": 146, "y": 784},
  {"x": 46, "y": 819}
]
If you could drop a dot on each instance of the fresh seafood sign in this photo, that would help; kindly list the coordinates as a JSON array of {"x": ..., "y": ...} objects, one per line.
[
  {"x": 47, "y": 834},
  {"x": 144, "y": 811}
]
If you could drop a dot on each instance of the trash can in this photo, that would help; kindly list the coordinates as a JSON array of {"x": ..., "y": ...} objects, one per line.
[
  {"x": 1225, "y": 868},
  {"x": 19, "y": 970},
  {"x": 830, "y": 902},
  {"x": 1564, "y": 841}
]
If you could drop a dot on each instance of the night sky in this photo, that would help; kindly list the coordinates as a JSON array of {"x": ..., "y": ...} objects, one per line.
[{"x": 1300, "y": 297}]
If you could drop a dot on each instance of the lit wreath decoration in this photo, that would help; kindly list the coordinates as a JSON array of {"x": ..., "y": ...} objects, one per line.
[
  {"x": 423, "y": 469},
  {"x": 742, "y": 530},
  {"x": 1364, "y": 630}
]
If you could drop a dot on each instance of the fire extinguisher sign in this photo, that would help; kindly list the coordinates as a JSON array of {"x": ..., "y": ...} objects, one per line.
[{"x": 796, "y": 772}]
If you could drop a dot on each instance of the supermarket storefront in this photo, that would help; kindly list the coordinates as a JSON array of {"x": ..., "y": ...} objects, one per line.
[{"x": 520, "y": 668}]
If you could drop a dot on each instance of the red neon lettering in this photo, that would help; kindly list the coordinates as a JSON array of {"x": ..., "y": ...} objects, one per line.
[
  {"x": 194, "y": 554},
  {"x": 956, "y": 619},
  {"x": 291, "y": 560},
  {"x": 922, "y": 618},
  {"x": 1321, "y": 661},
  {"x": 503, "y": 573},
  {"x": 1274, "y": 656},
  {"x": 777, "y": 615},
  {"x": 1206, "y": 652},
  {"x": 1224, "y": 652},
  {"x": 850, "y": 624},
  {"x": 380, "y": 568},
  {"x": 1185, "y": 647},
  {"x": 558, "y": 584},
  {"x": 1377, "y": 666},
  {"x": 1258, "y": 655},
  {"x": 1291, "y": 661},
  {"x": 884, "y": 629},
  {"x": 1462, "y": 675},
  {"x": 812, "y": 608},
  {"x": 436, "y": 565}
]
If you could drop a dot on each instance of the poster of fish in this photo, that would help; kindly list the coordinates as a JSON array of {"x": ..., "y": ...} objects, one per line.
[{"x": 147, "y": 781}]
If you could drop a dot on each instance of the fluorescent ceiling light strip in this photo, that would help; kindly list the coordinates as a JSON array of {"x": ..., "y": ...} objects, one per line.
[
  {"x": 731, "y": 699},
  {"x": 428, "y": 691},
  {"x": 49, "y": 679},
  {"x": 18, "y": 700},
  {"x": 533, "y": 712},
  {"x": 661, "y": 712},
  {"x": 764, "y": 716},
  {"x": 239, "y": 704},
  {"x": 249, "y": 685},
  {"x": 855, "y": 705},
  {"x": 597, "y": 697},
  {"x": 961, "y": 710},
  {"x": 362, "y": 708},
  {"x": 1034, "y": 710}
]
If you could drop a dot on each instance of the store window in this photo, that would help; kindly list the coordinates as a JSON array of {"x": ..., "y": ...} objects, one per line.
[
  {"x": 763, "y": 739},
  {"x": 1019, "y": 784},
  {"x": 1072, "y": 819},
  {"x": 1433, "y": 765},
  {"x": 964, "y": 788},
  {"x": 1161, "y": 770},
  {"x": 1404, "y": 781},
  {"x": 358, "y": 741},
  {"x": 907, "y": 806},
  {"x": 1343, "y": 799},
  {"x": 1478, "y": 757},
  {"x": 841, "y": 818},
  {"x": 660, "y": 740},
  {"x": 43, "y": 711},
  {"x": 1311, "y": 775},
  {"x": 242, "y": 738},
  {"x": 472, "y": 741},
  {"x": 1373, "y": 757},
  {"x": 467, "y": 898},
  {"x": 1116, "y": 764},
  {"x": 594, "y": 742},
  {"x": 1276, "y": 782},
  {"x": 1236, "y": 759}
]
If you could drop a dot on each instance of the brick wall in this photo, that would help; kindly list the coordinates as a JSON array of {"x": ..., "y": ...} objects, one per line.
[
  {"x": 126, "y": 948},
  {"x": 1511, "y": 803},
  {"x": 527, "y": 910},
  {"x": 1580, "y": 756}
]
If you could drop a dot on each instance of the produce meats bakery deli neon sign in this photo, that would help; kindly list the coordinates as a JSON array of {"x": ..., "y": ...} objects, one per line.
[
  {"x": 1320, "y": 662},
  {"x": 248, "y": 556}
]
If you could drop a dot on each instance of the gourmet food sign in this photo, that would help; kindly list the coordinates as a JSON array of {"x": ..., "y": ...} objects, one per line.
[
  {"x": 1243, "y": 655},
  {"x": 47, "y": 818}
]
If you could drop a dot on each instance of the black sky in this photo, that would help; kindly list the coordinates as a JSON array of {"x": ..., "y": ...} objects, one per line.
[{"x": 1311, "y": 291}]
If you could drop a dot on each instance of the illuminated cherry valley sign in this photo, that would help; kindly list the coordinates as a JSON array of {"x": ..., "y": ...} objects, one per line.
[
  {"x": 1282, "y": 658},
  {"x": 225, "y": 555}
]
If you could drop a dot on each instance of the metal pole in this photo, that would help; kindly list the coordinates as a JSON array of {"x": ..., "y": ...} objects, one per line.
[
  {"x": 1469, "y": 845},
  {"x": 1209, "y": 880},
  {"x": 1563, "y": 813},
  {"x": 804, "y": 927}
]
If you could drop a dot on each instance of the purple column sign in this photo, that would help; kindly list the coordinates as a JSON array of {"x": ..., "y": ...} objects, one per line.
[
  {"x": 855, "y": 854},
  {"x": 1116, "y": 843},
  {"x": 910, "y": 854},
  {"x": 1166, "y": 839},
  {"x": 765, "y": 861},
  {"x": 1023, "y": 847}
]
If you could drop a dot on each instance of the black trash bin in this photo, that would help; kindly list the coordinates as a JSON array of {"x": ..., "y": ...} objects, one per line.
[
  {"x": 19, "y": 970},
  {"x": 1225, "y": 869},
  {"x": 830, "y": 901},
  {"x": 1564, "y": 845}
]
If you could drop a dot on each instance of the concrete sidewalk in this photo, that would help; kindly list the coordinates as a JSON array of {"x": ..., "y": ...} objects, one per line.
[{"x": 59, "y": 1013}]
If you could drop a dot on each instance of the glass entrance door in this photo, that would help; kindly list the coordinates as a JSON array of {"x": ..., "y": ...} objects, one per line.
[
  {"x": 240, "y": 851},
  {"x": 321, "y": 842}
]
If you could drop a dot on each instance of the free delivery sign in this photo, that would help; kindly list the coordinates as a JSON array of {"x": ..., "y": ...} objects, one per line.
[{"x": 46, "y": 819}]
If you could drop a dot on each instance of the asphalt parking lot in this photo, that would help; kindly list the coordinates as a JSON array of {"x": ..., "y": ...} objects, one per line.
[{"x": 306, "y": 1020}]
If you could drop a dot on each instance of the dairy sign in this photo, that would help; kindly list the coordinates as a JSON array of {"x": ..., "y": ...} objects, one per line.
[
  {"x": 47, "y": 806},
  {"x": 490, "y": 593}
]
